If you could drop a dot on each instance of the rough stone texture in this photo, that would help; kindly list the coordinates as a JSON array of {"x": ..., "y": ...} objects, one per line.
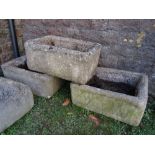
[
  {"x": 16, "y": 100},
  {"x": 120, "y": 106},
  {"x": 66, "y": 58},
  {"x": 41, "y": 84},
  {"x": 126, "y": 44}
]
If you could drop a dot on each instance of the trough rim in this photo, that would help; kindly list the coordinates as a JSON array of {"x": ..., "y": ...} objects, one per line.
[
  {"x": 10, "y": 65},
  {"x": 138, "y": 101},
  {"x": 33, "y": 44}
]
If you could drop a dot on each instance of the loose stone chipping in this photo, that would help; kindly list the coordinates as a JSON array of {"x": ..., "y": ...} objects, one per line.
[
  {"x": 41, "y": 84},
  {"x": 66, "y": 58},
  {"x": 16, "y": 99},
  {"x": 118, "y": 94}
]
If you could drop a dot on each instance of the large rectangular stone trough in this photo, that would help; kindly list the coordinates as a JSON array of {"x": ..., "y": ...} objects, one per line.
[
  {"x": 41, "y": 84},
  {"x": 16, "y": 99},
  {"x": 118, "y": 94},
  {"x": 66, "y": 58}
]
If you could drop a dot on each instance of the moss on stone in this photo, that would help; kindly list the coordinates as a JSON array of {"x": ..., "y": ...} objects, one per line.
[
  {"x": 140, "y": 38},
  {"x": 118, "y": 108}
]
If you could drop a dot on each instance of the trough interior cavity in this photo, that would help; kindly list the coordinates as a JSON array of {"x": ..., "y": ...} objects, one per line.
[
  {"x": 24, "y": 66},
  {"x": 119, "y": 87},
  {"x": 72, "y": 45}
]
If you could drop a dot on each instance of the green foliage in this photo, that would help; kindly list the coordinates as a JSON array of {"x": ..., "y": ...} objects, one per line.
[{"x": 48, "y": 116}]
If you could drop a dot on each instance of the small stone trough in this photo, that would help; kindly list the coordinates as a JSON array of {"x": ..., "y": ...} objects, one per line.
[
  {"x": 16, "y": 99},
  {"x": 41, "y": 84},
  {"x": 118, "y": 94},
  {"x": 66, "y": 58}
]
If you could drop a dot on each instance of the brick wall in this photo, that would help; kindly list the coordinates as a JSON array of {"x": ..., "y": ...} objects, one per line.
[
  {"x": 6, "y": 52},
  {"x": 126, "y": 44}
]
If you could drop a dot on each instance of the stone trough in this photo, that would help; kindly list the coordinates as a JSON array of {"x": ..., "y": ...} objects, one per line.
[
  {"x": 118, "y": 94},
  {"x": 16, "y": 99},
  {"x": 41, "y": 84},
  {"x": 66, "y": 58}
]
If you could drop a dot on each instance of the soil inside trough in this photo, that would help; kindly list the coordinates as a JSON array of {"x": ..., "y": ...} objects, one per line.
[
  {"x": 119, "y": 87},
  {"x": 66, "y": 44}
]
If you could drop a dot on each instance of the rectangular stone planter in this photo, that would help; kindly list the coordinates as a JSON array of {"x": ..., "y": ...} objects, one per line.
[
  {"x": 66, "y": 58},
  {"x": 41, "y": 84},
  {"x": 118, "y": 94},
  {"x": 16, "y": 99}
]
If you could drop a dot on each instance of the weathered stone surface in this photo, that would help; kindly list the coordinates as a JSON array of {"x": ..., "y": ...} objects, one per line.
[
  {"x": 105, "y": 99},
  {"x": 127, "y": 44},
  {"x": 16, "y": 100},
  {"x": 41, "y": 84},
  {"x": 67, "y": 58}
]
